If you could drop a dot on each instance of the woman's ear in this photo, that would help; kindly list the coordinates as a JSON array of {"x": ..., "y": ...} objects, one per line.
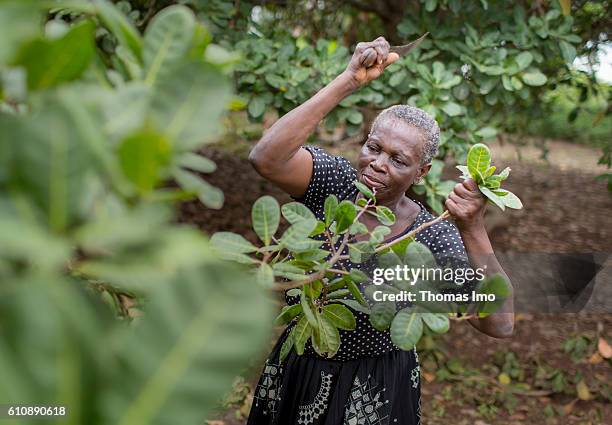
[{"x": 422, "y": 172}]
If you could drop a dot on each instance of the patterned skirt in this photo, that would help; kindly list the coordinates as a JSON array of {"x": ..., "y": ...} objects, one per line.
[{"x": 305, "y": 390}]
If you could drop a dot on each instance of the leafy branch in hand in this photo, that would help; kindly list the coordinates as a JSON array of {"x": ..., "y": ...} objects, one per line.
[{"x": 480, "y": 170}]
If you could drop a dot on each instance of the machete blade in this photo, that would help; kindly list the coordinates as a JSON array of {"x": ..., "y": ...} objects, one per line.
[{"x": 407, "y": 48}]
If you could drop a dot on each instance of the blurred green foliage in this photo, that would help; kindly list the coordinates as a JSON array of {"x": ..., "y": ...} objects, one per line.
[
  {"x": 484, "y": 68},
  {"x": 107, "y": 305},
  {"x": 578, "y": 114}
]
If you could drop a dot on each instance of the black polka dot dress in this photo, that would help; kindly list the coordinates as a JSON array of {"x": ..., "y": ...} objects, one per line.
[{"x": 370, "y": 381}]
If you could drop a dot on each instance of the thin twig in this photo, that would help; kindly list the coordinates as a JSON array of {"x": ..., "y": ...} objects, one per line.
[{"x": 422, "y": 227}]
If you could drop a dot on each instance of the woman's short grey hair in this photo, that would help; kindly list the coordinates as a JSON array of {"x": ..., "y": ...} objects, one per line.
[{"x": 418, "y": 118}]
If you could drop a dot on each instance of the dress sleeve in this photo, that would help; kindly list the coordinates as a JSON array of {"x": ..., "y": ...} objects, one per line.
[{"x": 330, "y": 175}]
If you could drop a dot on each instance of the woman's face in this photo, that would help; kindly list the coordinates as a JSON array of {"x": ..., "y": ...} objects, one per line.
[{"x": 390, "y": 160}]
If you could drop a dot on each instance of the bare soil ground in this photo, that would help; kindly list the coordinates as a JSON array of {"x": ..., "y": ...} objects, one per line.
[{"x": 566, "y": 210}]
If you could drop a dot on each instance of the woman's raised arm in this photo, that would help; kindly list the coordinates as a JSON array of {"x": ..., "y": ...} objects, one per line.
[{"x": 278, "y": 155}]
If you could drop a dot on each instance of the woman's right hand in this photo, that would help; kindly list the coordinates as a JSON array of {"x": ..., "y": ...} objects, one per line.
[{"x": 369, "y": 61}]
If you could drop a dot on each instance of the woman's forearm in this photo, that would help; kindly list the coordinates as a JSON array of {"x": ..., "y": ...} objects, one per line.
[
  {"x": 501, "y": 323},
  {"x": 286, "y": 135}
]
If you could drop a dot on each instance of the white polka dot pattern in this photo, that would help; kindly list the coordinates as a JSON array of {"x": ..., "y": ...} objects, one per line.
[{"x": 335, "y": 175}]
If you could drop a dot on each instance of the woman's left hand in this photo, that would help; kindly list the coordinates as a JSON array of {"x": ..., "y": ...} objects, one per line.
[{"x": 467, "y": 205}]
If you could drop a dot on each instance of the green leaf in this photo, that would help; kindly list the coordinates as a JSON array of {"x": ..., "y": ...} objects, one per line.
[
  {"x": 312, "y": 255},
  {"x": 313, "y": 289},
  {"x": 142, "y": 157},
  {"x": 461, "y": 92},
  {"x": 452, "y": 109},
  {"x": 399, "y": 248},
  {"x": 492, "y": 196},
  {"x": 294, "y": 292},
  {"x": 478, "y": 160},
  {"x": 509, "y": 199},
  {"x": 450, "y": 82},
  {"x": 385, "y": 215},
  {"x": 265, "y": 275},
  {"x": 487, "y": 132},
  {"x": 119, "y": 25},
  {"x": 319, "y": 229},
  {"x": 568, "y": 51},
  {"x": 437, "y": 322},
  {"x": 126, "y": 109},
  {"x": 289, "y": 271},
  {"x": 464, "y": 169},
  {"x": 296, "y": 211},
  {"x": 445, "y": 187},
  {"x": 302, "y": 332},
  {"x": 51, "y": 160},
  {"x": 231, "y": 243},
  {"x": 356, "y": 293},
  {"x": 52, "y": 62},
  {"x": 306, "y": 308},
  {"x": 507, "y": 83},
  {"x": 406, "y": 328},
  {"x": 204, "y": 326},
  {"x": 517, "y": 84},
  {"x": 328, "y": 334},
  {"x": 364, "y": 189},
  {"x": 397, "y": 78},
  {"x": 534, "y": 78},
  {"x": 381, "y": 315},
  {"x": 358, "y": 228},
  {"x": 504, "y": 173},
  {"x": 358, "y": 276},
  {"x": 345, "y": 215},
  {"x": 275, "y": 81},
  {"x": 360, "y": 250},
  {"x": 317, "y": 343},
  {"x": 257, "y": 106},
  {"x": 265, "y": 216},
  {"x": 167, "y": 40},
  {"x": 418, "y": 255},
  {"x": 19, "y": 21},
  {"x": 338, "y": 294},
  {"x": 209, "y": 195},
  {"x": 381, "y": 231},
  {"x": 188, "y": 103},
  {"x": 340, "y": 316},
  {"x": 296, "y": 236},
  {"x": 287, "y": 314},
  {"x": 355, "y": 117},
  {"x": 492, "y": 182},
  {"x": 355, "y": 306},
  {"x": 287, "y": 346},
  {"x": 523, "y": 60},
  {"x": 197, "y": 163},
  {"x": 331, "y": 203}
]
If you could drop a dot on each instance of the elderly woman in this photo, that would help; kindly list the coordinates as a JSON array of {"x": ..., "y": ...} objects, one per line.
[{"x": 370, "y": 381}]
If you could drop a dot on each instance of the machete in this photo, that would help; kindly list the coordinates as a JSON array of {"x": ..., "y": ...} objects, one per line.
[{"x": 369, "y": 56}]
